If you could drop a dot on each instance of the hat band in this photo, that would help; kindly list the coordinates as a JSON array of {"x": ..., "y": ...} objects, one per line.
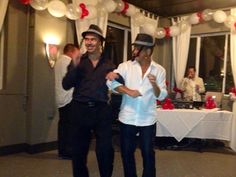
[
  {"x": 144, "y": 43},
  {"x": 94, "y": 31}
]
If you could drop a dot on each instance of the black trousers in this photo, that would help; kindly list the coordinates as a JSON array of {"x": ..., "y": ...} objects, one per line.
[
  {"x": 64, "y": 140},
  {"x": 88, "y": 118}
]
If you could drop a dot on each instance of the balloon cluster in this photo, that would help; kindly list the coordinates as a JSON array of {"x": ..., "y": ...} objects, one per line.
[
  {"x": 90, "y": 9},
  {"x": 210, "y": 103},
  {"x": 167, "y": 104},
  {"x": 232, "y": 94}
]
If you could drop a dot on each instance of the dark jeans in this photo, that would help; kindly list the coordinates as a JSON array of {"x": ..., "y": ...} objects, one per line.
[
  {"x": 88, "y": 118},
  {"x": 64, "y": 140},
  {"x": 128, "y": 139}
]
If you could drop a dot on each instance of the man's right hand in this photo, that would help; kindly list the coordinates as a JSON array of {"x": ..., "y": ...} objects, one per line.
[{"x": 134, "y": 93}]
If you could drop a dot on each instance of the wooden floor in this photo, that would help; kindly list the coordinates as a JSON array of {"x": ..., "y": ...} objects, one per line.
[{"x": 169, "y": 164}]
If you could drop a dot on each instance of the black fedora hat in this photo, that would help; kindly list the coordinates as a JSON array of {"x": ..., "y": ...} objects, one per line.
[
  {"x": 95, "y": 30},
  {"x": 143, "y": 39}
]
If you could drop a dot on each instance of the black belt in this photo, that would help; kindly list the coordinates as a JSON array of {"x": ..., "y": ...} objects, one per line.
[{"x": 92, "y": 103}]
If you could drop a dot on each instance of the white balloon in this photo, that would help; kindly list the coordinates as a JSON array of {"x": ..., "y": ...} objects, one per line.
[
  {"x": 219, "y": 16},
  {"x": 39, "y": 4},
  {"x": 92, "y": 12},
  {"x": 110, "y": 6},
  {"x": 87, "y": 2},
  {"x": 131, "y": 10},
  {"x": 207, "y": 14},
  {"x": 174, "y": 31},
  {"x": 57, "y": 8},
  {"x": 120, "y": 5},
  {"x": 148, "y": 28},
  {"x": 71, "y": 12},
  {"x": 193, "y": 19},
  {"x": 230, "y": 20},
  {"x": 160, "y": 33},
  {"x": 184, "y": 25},
  {"x": 139, "y": 19}
]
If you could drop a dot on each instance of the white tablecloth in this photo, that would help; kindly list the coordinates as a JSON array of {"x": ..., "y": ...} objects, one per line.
[{"x": 206, "y": 124}]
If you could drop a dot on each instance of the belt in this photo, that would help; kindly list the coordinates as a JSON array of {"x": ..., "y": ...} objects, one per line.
[{"x": 92, "y": 103}]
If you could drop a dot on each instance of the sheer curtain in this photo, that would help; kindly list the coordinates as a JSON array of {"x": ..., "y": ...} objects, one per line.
[
  {"x": 3, "y": 9},
  {"x": 180, "y": 48},
  {"x": 83, "y": 25},
  {"x": 233, "y": 64}
]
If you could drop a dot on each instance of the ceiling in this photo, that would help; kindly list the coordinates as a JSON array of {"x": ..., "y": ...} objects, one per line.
[{"x": 168, "y": 8}]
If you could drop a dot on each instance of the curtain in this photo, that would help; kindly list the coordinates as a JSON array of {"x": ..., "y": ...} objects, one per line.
[
  {"x": 233, "y": 65},
  {"x": 3, "y": 10},
  {"x": 135, "y": 29},
  {"x": 180, "y": 46},
  {"x": 83, "y": 25},
  {"x": 233, "y": 48}
]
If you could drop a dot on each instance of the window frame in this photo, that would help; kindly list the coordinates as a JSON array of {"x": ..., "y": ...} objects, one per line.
[
  {"x": 197, "y": 55},
  {"x": 126, "y": 30}
]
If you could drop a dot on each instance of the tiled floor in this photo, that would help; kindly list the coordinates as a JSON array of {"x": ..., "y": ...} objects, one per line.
[{"x": 169, "y": 164}]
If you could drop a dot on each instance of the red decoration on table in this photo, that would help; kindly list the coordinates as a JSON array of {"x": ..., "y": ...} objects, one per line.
[
  {"x": 210, "y": 103},
  {"x": 167, "y": 104},
  {"x": 25, "y": 1}
]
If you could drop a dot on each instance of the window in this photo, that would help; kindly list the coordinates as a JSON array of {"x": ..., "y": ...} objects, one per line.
[
  {"x": 118, "y": 43},
  {"x": 211, "y": 57},
  {"x": 1, "y": 57}
]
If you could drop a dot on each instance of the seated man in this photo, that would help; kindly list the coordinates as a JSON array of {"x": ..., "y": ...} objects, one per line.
[{"x": 192, "y": 86}]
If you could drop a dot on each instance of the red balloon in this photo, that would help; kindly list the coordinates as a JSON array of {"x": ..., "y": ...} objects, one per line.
[{"x": 25, "y": 1}]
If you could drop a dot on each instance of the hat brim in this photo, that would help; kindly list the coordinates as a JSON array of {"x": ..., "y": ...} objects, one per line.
[
  {"x": 142, "y": 43},
  {"x": 92, "y": 32}
]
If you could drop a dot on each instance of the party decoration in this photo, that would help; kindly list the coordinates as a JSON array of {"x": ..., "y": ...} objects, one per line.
[
  {"x": 72, "y": 12},
  {"x": 90, "y": 9},
  {"x": 160, "y": 33},
  {"x": 184, "y": 25},
  {"x": 167, "y": 104},
  {"x": 148, "y": 28},
  {"x": 207, "y": 14},
  {"x": 120, "y": 6},
  {"x": 167, "y": 31},
  {"x": 210, "y": 103},
  {"x": 56, "y": 8},
  {"x": 194, "y": 19},
  {"x": 219, "y": 16},
  {"x": 174, "y": 31},
  {"x": 229, "y": 22},
  {"x": 39, "y": 4},
  {"x": 92, "y": 12},
  {"x": 131, "y": 10},
  {"x": 110, "y": 6},
  {"x": 232, "y": 94},
  {"x": 25, "y": 1}
]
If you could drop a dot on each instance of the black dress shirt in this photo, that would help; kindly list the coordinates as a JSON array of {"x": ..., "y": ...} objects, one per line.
[{"x": 88, "y": 81}]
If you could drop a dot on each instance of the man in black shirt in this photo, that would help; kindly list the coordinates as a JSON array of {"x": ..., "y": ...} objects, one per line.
[{"x": 90, "y": 111}]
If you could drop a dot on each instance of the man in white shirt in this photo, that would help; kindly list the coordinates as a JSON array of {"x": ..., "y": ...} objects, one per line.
[
  {"x": 144, "y": 84},
  {"x": 192, "y": 86},
  {"x": 63, "y": 98}
]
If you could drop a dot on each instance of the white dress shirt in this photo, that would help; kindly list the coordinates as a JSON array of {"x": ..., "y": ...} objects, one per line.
[
  {"x": 63, "y": 97},
  {"x": 140, "y": 111}
]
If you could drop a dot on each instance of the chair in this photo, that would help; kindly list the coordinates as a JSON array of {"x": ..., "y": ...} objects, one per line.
[{"x": 217, "y": 96}]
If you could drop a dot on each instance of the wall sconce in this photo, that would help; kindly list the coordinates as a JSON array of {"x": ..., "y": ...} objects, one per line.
[
  {"x": 52, "y": 42},
  {"x": 52, "y": 51}
]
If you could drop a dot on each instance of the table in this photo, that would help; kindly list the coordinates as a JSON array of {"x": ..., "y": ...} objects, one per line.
[{"x": 204, "y": 124}]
